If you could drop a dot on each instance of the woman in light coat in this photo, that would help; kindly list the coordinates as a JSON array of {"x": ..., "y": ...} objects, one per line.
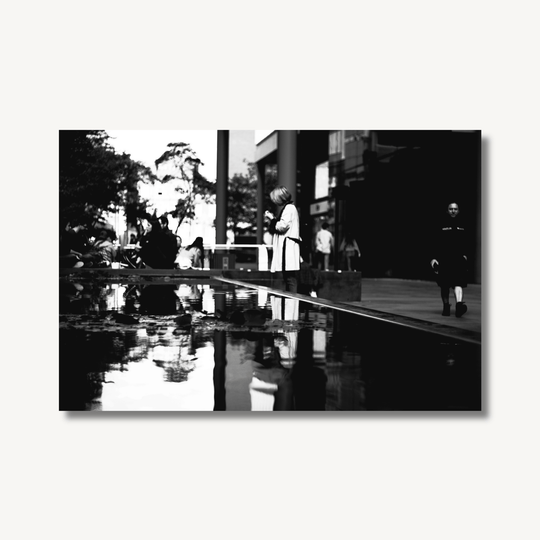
[{"x": 286, "y": 237}]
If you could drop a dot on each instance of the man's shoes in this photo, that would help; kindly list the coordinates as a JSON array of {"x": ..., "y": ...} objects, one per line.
[
  {"x": 78, "y": 264},
  {"x": 446, "y": 310},
  {"x": 461, "y": 309}
]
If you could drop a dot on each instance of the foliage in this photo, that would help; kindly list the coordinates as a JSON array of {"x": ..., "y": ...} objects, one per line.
[
  {"x": 242, "y": 199},
  {"x": 95, "y": 179},
  {"x": 181, "y": 165},
  {"x": 242, "y": 202}
]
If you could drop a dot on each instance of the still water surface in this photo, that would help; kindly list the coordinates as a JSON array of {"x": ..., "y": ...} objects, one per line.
[{"x": 213, "y": 347}]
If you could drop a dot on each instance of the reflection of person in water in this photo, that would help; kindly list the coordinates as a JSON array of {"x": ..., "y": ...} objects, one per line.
[
  {"x": 195, "y": 298},
  {"x": 309, "y": 381},
  {"x": 271, "y": 387},
  {"x": 159, "y": 300},
  {"x": 287, "y": 378}
]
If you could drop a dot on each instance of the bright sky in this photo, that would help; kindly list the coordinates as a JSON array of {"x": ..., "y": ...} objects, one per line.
[{"x": 148, "y": 145}]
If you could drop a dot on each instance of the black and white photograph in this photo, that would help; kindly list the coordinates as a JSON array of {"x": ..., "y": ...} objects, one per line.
[
  {"x": 269, "y": 270},
  {"x": 284, "y": 270}
]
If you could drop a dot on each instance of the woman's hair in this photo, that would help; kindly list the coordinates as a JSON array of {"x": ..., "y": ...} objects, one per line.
[
  {"x": 280, "y": 196},
  {"x": 198, "y": 243}
]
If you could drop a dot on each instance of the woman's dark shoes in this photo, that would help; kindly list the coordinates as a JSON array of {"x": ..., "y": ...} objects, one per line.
[
  {"x": 461, "y": 309},
  {"x": 446, "y": 310}
]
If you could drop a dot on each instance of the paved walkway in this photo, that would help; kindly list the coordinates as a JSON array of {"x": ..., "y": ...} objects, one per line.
[{"x": 420, "y": 300}]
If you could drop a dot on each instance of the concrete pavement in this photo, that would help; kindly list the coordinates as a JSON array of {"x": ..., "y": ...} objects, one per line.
[{"x": 420, "y": 300}]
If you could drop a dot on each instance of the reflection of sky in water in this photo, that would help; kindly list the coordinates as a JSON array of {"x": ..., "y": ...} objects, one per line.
[
  {"x": 142, "y": 387},
  {"x": 304, "y": 358}
]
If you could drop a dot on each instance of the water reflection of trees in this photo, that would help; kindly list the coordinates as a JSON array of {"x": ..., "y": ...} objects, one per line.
[
  {"x": 87, "y": 354},
  {"x": 86, "y": 358}
]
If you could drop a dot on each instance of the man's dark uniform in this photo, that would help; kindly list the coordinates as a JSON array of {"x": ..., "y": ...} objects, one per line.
[{"x": 450, "y": 251}]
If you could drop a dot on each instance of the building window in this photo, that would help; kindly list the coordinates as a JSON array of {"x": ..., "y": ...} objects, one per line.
[
  {"x": 336, "y": 144},
  {"x": 322, "y": 181}
]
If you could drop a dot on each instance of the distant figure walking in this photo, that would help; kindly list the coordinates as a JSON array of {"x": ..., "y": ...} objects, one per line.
[
  {"x": 350, "y": 251},
  {"x": 285, "y": 228},
  {"x": 450, "y": 260},
  {"x": 192, "y": 256},
  {"x": 324, "y": 244}
]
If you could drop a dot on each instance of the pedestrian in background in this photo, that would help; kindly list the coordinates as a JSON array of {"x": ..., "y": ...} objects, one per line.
[
  {"x": 285, "y": 228},
  {"x": 324, "y": 244},
  {"x": 349, "y": 249},
  {"x": 450, "y": 260},
  {"x": 192, "y": 256}
]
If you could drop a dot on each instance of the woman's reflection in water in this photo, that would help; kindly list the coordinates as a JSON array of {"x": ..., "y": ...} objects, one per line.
[{"x": 284, "y": 375}]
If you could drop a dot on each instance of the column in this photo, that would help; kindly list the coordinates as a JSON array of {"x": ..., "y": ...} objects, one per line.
[
  {"x": 222, "y": 180},
  {"x": 260, "y": 203},
  {"x": 287, "y": 160}
]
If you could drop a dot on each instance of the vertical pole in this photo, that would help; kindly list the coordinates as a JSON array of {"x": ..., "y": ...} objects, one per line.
[
  {"x": 260, "y": 204},
  {"x": 222, "y": 180},
  {"x": 287, "y": 160}
]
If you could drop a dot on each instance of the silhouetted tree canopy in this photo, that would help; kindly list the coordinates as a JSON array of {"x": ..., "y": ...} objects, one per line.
[
  {"x": 181, "y": 164},
  {"x": 95, "y": 179}
]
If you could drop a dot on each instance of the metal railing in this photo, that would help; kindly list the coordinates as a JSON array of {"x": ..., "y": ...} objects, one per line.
[{"x": 241, "y": 256}]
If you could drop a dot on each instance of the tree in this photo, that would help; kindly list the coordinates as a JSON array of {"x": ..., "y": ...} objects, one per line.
[
  {"x": 242, "y": 202},
  {"x": 181, "y": 165},
  {"x": 242, "y": 199},
  {"x": 95, "y": 179}
]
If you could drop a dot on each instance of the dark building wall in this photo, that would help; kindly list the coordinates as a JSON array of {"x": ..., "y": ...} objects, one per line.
[
  {"x": 396, "y": 207},
  {"x": 312, "y": 151},
  {"x": 392, "y": 189}
]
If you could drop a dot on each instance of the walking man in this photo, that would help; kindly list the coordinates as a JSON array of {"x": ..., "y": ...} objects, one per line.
[{"x": 450, "y": 261}]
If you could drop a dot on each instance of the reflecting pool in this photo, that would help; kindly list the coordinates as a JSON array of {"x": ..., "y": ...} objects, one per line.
[{"x": 209, "y": 346}]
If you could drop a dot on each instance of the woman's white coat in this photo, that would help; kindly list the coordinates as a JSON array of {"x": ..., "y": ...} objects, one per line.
[{"x": 287, "y": 227}]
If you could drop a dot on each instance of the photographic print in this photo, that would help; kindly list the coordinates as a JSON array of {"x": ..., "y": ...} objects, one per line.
[{"x": 262, "y": 271}]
